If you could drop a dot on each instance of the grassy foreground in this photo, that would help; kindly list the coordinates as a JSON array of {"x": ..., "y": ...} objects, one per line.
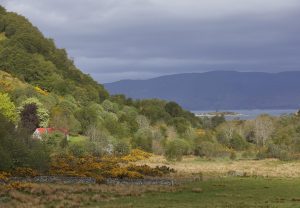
[
  {"x": 215, "y": 192},
  {"x": 266, "y": 183},
  {"x": 223, "y": 192}
]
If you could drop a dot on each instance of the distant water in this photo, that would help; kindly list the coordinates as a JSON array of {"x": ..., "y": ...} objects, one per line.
[{"x": 249, "y": 114}]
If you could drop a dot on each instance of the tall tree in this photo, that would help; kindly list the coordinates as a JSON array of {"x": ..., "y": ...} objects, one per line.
[{"x": 29, "y": 117}]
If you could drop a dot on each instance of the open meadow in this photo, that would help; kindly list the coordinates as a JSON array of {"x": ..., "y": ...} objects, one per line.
[{"x": 223, "y": 167}]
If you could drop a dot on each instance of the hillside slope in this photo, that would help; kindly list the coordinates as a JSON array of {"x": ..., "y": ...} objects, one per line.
[
  {"x": 28, "y": 55},
  {"x": 218, "y": 90}
]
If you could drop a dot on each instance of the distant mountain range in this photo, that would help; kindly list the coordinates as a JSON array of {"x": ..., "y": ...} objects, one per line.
[{"x": 218, "y": 90}]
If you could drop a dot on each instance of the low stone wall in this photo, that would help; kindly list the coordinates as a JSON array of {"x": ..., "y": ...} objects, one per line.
[
  {"x": 87, "y": 180},
  {"x": 154, "y": 181},
  {"x": 55, "y": 179}
]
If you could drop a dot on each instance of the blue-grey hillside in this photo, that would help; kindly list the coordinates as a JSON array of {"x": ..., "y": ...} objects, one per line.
[{"x": 218, "y": 89}]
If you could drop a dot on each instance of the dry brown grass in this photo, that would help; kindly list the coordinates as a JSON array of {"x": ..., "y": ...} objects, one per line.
[
  {"x": 194, "y": 165},
  {"x": 27, "y": 195}
]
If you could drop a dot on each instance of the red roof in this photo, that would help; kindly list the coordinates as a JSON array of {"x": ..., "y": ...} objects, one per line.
[{"x": 51, "y": 130}]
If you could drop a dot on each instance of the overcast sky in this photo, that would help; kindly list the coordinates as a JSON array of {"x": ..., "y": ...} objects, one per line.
[{"x": 139, "y": 39}]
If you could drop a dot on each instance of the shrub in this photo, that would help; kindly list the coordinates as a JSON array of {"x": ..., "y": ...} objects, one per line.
[
  {"x": 173, "y": 109},
  {"x": 211, "y": 149},
  {"x": 121, "y": 148},
  {"x": 37, "y": 109},
  {"x": 135, "y": 155},
  {"x": 4, "y": 176},
  {"x": 56, "y": 140},
  {"x": 143, "y": 140},
  {"x": 275, "y": 151},
  {"x": 24, "y": 172},
  {"x": 217, "y": 120},
  {"x": 124, "y": 173},
  {"x": 94, "y": 148},
  {"x": 101, "y": 168},
  {"x": 176, "y": 149},
  {"x": 145, "y": 170},
  {"x": 233, "y": 155},
  {"x": 10, "y": 31},
  {"x": 5, "y": 160},
  {"x": 248, "y": 154},
  {"x": 78, "y": 149},
  {"x": 238, "y": 143},
  {"x": 165, "y": 169},
  {"x": 181, "y": 124}
]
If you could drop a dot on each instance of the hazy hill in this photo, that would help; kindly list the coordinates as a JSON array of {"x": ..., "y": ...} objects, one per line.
[{"x": 218, "y": 89}]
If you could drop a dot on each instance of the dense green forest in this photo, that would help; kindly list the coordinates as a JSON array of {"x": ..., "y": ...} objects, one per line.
[{"x": 41, "y": 87}]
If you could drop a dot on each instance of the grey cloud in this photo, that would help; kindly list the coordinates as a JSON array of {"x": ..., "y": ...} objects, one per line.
[{"x": 120, "y": 39}]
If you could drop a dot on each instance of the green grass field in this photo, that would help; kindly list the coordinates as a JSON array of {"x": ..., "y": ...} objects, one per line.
[
  {"x": 77, "y": 139},
  {"x": 222, "y": 192}
]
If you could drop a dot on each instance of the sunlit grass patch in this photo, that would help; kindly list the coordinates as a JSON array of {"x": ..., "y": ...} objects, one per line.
[
  {"x": 2, "y": 36},
  {"x": 194, "y": 165},
  {"x": 77, "y": 139}
]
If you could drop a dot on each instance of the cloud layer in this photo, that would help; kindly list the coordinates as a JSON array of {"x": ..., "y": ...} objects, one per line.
[{"x": 121, "y": 39}]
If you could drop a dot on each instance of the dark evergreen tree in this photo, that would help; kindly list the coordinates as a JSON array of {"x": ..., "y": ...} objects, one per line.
[{"x": 29, "y": 118}]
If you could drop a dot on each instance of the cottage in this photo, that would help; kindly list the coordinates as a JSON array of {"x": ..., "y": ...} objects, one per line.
[{"x": 39, "y": 132}]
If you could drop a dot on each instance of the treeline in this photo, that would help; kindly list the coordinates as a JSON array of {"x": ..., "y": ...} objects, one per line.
[
  {"x": 262, "y": 137},
  {"x": 112, "y": 127}
]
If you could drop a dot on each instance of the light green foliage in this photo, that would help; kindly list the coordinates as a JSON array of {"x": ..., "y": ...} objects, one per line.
[
  {"x": 142, "y": 121},
  {"x": 42, "y": 112},
  {"x": 110, "y": 106},
  {"x": 77, "y": 139},
  {"x": 237, "y": 142},
  {"x": 100, "y": 140},
  {"x": 231, "y": 134},
  {"x": 143, "y": 139},
  {"x": 62, "y": 116},
  {"x": 281, "y": 152},
  {"x": 155, "y": 113},
  {"x": 89, "y": 115},
  {"x": 56, "y": 140},
  {"x": 128, "y": 115},
  {"x": 2, "y": 36},
  {"x": 7, "y": 108},
  {"x": 20, "y": 94},
  {"x": 181, "y": 124},
  {"x": 175, "y": 149},
  {"x": 211, "y": 149},
  {"x": 79, "y": 149}
]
